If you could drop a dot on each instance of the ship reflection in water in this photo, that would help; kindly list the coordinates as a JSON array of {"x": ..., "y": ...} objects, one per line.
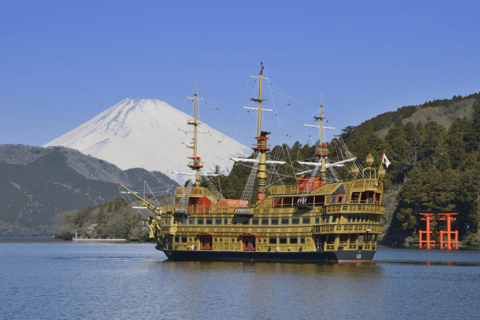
[{"x": 275, "y": 290}]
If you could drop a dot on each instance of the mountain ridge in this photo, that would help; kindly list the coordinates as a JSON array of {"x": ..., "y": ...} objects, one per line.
[{"x": 39, "y": 183}]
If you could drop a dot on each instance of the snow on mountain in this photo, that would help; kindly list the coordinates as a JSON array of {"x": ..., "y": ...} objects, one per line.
[{"x": 144, "y": 133}]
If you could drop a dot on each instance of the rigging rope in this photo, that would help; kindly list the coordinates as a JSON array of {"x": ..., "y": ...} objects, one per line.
[
  {"x": 183, "y": 203},
  {"x": 212, "y": 186},
  {"x": 248, "y": 191}
]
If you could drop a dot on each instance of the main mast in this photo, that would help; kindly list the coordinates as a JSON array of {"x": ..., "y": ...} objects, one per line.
[
  {"x": 261, "y": 147},
  {"x": 195, "y": 164}
]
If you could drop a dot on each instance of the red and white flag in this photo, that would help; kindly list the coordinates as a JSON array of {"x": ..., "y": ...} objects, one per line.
[{"x": 385, "y": 160}]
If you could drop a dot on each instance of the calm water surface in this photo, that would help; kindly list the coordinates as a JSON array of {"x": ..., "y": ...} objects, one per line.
[{"x": 64, "y": 280}]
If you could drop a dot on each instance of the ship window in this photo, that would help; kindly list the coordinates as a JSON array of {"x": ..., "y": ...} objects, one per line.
[
  {"x": 319, "y": 200},
  {"x": 302, "y": 240},
  {"x": 293, "y": 240},
  {"x": 225, "y": 221},
  {"x": 370, "y": 197},
  {"x": 265, "y": 221},
  {"x": 274, "y": 222},
  {"x": 285, "y": 221},
  {"x": 209, "y": 221},
  {"x": 310, "y": 201},
  {"x": 287, "y": 202},
  {"x": 183, "y": 221},
  {"x": 334, "y": 219},
  {"x": 306, "y": 220},
  {"x": 355, "y": 197},
  {"x": 277, "y": 202},
  {"x": 166, "y": 220},
  {"x": 199, "y": 220},
  {"x": 255, "y": 221},
  {"x": 272, "y": 241},
  {"x": 184, "y": 239},
  {"x": 349, "y": 218},
  {"x": 331, "y": 239},
  {"x": 191, "y": 221},
  {"x": 333, "y": 199},
  {"x": 218, "y": 221},
  {"x": 317, "y": 220},
  {"x": 295, "y": 220},
  {"x": 177, "y": 239},
  {"x": 283, "y": 240},
  {"x": 360, "y": 238},
  {"x": 340, "y": 199},
  {"x": 246, "y": 221}
]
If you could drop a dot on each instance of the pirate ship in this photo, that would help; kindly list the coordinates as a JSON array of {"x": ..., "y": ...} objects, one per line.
[{"x": 320, "y": 218}]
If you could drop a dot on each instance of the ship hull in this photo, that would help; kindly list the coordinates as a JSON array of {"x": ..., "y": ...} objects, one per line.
[{"x": 252, "y": 256}]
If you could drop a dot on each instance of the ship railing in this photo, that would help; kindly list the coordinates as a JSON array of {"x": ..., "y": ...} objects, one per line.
[
  {"x": 283, "y": 189},
  {"x": 321, "y": 229},
  {"x": 167, "y": 208},
  {"x": 353, "y": 208},
  {"x": 180, "y": 191},
  {"x": 371, "y": 184},
  {"x": 212, "y": 209},
  {"x": 266, "y": 145},
  {"x": 195, "y": 163}
]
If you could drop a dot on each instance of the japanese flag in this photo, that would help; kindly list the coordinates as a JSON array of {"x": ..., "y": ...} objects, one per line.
[{"x": 385, "y": 160}]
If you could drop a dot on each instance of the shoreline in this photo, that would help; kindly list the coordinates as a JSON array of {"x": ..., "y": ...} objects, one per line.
[{"x": 98, "y": 240}]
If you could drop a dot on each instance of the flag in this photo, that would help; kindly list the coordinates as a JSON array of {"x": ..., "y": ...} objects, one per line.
[{"x": 385, "y": 160}]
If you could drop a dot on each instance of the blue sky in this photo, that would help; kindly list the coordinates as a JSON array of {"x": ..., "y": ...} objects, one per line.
[{"x": 63, "y": 62}]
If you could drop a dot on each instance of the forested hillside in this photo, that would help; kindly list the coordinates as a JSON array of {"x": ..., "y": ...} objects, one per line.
[
  {"x": 114, "y": 219},
  {"x": 38, "y": 183},
  {"x": 433, "y": 168}
]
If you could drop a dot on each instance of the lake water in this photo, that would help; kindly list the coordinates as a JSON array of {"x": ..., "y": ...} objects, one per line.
[{"x": 65, "y": 280}]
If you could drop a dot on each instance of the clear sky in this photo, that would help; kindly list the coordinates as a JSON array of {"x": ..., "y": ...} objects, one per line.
[{"x": 63, "y": 62}]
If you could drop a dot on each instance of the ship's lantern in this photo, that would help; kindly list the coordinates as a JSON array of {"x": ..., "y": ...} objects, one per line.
[
  {"x": 381, "y": 172},
  {"x": 355, "y": 170},
  {"x": 370, "y": 160}
]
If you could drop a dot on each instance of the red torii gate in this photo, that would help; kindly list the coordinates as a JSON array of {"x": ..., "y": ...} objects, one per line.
[{"x": 430, "y": 243}]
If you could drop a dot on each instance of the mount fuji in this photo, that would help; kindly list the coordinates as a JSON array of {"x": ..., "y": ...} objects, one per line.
[{"x": 145, "y": 133}]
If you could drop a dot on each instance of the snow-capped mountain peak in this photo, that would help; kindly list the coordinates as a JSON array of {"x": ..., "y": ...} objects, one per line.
[{"x": 144, "y": 133}]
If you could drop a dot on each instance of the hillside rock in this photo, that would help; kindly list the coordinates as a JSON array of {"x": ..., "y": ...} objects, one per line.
[{"x": 443, "y": 115}]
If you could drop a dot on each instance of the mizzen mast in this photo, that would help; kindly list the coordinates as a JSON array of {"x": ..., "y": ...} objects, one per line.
[{"x": 322, "y": 150}]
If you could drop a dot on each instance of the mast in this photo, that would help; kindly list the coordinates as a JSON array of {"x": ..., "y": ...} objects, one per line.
[
  {"x": 321, "y": 151},
  {"x": 261, "y": 143},
  {"x": 195, "y": 164}
]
